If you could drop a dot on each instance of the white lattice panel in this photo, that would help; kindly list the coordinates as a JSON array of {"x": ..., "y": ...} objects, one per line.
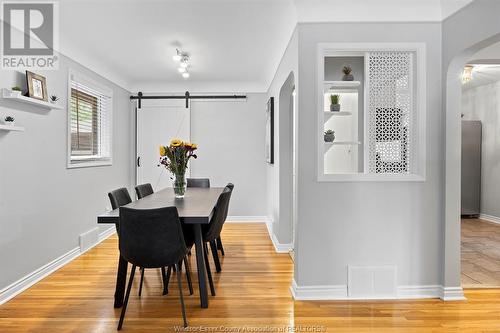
[{"x": 390, "y": 109}]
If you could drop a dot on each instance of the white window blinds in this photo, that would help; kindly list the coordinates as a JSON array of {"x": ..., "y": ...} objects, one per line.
[{"x": 89, "y": 122}]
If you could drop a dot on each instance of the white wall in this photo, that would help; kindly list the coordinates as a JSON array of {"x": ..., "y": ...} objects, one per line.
[
  {"x": 483, "y": 103},
  {"x": 231, "y": 141},
  {"x": 44, "y": 207},
  {"x": 368, "y": 223},
  {"x": 279, "y": 176}
]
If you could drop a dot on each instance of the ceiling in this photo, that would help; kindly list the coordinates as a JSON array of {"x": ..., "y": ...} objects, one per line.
[{"x": 234, "y": 45}]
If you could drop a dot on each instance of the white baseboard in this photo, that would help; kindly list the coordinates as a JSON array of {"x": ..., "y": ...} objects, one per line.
[
  {"x": 490, "y": 218},
  {"x": 452, "y": 294},
  {"x": 339, "y": 292},
  {"x": 30, "y": 279},
  {"x": 310, "y": 293},
  {"x": 414, "y": 292},
  {"x": 246, "y": 219},
  {"x": 278, "y": 247}
]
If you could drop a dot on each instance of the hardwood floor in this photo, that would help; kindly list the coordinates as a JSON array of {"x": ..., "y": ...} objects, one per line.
[
  {"x": 252, "y": 293},
  {"x": 480, "y": 254}
]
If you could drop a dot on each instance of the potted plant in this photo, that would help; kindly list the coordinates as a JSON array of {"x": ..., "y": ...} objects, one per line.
[
  {"x": 54, "y": 99},
  {"x": 329, "y": 135},
  {"x": 15, "y": 91},
  {"x": 335, "y": 103},
  {"x": 9, "y": 120},
  {"x": 347, "y": 70}
]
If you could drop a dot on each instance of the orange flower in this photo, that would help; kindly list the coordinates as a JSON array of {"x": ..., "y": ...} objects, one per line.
[
  {"x": 163, "y": 151},
  {"x": 176, "y": 143}
]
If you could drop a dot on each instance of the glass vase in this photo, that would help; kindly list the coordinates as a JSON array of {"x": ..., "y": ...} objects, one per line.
[{"x": 179, "y": 185}]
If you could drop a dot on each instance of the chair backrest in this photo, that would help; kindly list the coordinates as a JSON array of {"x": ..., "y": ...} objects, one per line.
[
  {"x": 151, "y": 238},
  {"x": 230, "y": 186},
  {"x": 119, "y": 197},
  {"x": 143, "y": 190},
  {"x": 213, "y": 229},
  {"x": 198, "y": 182}
]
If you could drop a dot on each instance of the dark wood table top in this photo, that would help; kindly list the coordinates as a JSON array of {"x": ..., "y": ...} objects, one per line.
[{"x": 197, "y": 206}]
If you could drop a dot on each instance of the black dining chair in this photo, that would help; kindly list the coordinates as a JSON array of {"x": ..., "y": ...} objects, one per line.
[
  {"x": 198, "y": 182},
  {"x": 212, "y": 231},
  {"x": 204, "y": 182},
  {"x": 218, "y": 241},
  {"x": 143, "y": 190},
  {"x": 121, "y": 197},
  {"x": 151, "y": 238}
]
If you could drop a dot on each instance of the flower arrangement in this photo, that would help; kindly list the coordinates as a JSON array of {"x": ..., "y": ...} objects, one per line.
[{"x": 175, "y": 158}]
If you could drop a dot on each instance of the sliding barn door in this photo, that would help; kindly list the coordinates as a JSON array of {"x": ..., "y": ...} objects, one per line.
[{"x": 158, "y": 121}]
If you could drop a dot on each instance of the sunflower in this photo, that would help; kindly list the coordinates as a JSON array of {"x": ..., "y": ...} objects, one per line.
[
  {"x": 176, "y": 143},
  {"x": 194, "y": 146},
  {"x": 163, "y": 151}
]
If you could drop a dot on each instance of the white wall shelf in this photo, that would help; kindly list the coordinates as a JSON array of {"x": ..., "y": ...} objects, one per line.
[
  {"x": 329, "y": 145},
  {"x": 338, "y": 113},
  {"x": 341, "y": 84},
  {"x": 13, "y": 96},
  {"x": 11, "y": 128}
]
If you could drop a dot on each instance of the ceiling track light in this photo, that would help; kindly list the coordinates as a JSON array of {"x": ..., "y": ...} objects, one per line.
[{"x": 184, "y": 64}]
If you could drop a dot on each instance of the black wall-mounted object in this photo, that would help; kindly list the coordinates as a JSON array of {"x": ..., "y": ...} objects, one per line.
[{"x": 187, "y": 96}]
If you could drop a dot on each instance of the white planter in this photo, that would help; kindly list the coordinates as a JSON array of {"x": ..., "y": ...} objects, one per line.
[{"x": 9, "y": 123}]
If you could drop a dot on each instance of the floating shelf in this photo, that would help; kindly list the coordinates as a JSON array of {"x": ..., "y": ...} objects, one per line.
[
  {"x": 10, "y": 95},
  {"x": 338, "y": 113},
  {"x": 11, "y": 128},
  {"x": 342, "y": 84},
  {"x": 329, "y": 145}
]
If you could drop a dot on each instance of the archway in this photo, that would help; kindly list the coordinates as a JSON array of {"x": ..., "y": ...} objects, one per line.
[{"x": 452, "y": 288}]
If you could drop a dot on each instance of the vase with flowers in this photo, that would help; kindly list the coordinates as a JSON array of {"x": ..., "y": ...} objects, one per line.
[{"x": 175, "y": 158}]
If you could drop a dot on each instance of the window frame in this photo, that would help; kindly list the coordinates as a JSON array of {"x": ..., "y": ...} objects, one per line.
[
  {"x": 420, "y": 107},
  {"x": 85, "y": 161}
]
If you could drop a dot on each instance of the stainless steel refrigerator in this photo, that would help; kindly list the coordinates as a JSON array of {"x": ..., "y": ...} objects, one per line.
[{"x": 471, "y": 167}]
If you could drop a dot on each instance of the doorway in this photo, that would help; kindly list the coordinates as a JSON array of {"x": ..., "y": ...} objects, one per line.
[{"x": 480, "y": 176}]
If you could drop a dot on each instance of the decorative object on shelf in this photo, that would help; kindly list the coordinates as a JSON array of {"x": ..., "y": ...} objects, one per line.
[
  {"x": 53, "y": 99},
  {"x": 347, "y": 70},
  {"x": 16, "y": 91},
  {"x": 329, "y": 135},
  {"x": 9, "y": 120},
  {"x": 175, "y": 158},
  {"x": 270, "y": 131},
  {"x": 37, "y": 86},
  {"x": 335, "y": 103}
]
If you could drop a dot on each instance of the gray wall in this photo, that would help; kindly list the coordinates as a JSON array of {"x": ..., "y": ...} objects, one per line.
[
  {"x": 460, "y": 42},
  {"x": 483, "y": 103},
  {"x": 279, "y": 176},
  {"x": 44, "y": 207},
  {"x": 231, "y": 138},
  {"x": 368, "y": 223}
]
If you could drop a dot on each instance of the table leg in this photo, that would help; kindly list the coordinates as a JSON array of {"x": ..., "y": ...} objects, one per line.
[
  {"x": 121, "y": 281},
  {"x": 200, "y": 262}
]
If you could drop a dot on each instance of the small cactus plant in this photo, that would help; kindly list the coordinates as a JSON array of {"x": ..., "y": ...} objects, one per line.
[
  {"x": 9, "y": 120},
  {"x": 54, "y": 98},
  {"x": 347, "y": 70}
]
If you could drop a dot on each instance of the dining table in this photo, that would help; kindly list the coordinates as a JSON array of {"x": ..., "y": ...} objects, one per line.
[{"x": 196, "y": 208}]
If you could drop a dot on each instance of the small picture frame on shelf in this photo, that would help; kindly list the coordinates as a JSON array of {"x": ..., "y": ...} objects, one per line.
[{"x": 37, "y": 86}]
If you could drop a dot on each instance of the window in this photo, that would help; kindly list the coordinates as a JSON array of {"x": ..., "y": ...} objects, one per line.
[
  {"x": 371, "y": 112},
  {"x": 89, "y": 128}
]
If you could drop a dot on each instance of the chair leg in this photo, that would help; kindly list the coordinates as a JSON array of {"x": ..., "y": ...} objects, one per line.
[
  {"x": 179, "y": 282},
  {"x": 142, "y": 279},
  {"x": 188, "y": 275},
  {"x": 219, "y": 245},
  {"x": 124, "y": 308},
  {"x": 209, "y": 272},
  {"x": 215, "y": 255},
  {"x": 166, "y": 278}
]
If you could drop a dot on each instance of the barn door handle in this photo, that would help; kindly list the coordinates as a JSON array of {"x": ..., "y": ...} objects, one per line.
[{"x": 138, "y": 161}]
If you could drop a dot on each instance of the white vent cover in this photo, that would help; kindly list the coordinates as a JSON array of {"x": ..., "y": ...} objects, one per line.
[
  {"x": 89, "y": 239},
  {"x": 366, "y": 282},
  {"x": 390, "y": 112}
]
